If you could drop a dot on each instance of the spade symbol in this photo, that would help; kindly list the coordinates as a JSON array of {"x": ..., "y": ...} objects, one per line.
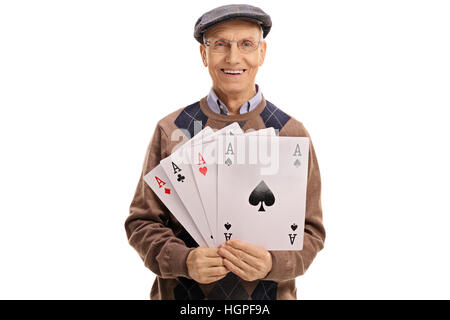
[
  {"x": 180, "y": 178},
  {"x": 297, "y": 163},
  {"x": 227, "y": 225},
  {"x": 294, "y": 227},
  {"x": 261, "y": 194},
  {"x": 228, "y": 162}
]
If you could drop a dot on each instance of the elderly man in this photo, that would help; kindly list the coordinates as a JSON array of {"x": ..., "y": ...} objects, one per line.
[{"x": 232, "y": 47}]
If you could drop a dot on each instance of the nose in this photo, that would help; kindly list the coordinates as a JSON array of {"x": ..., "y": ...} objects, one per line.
[{"x": 233, "y": 54}]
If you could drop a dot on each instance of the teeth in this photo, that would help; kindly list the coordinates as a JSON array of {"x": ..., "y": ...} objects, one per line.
[{"x": 233, "y": 71}]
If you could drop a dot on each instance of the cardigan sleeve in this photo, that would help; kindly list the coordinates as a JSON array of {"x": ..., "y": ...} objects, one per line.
[
  {"x": 291, "y": 264},
  {"x": 147, "y": 224}
]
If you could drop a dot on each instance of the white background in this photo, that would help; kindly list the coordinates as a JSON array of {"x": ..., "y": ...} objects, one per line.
[{"x": 83, "y": 83}]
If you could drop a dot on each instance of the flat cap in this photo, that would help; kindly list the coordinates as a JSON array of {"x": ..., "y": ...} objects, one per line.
[{"x": 231, "y": 12}]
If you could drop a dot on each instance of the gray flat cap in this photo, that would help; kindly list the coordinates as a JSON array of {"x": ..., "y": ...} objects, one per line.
[{"x": 232, "y": 12}]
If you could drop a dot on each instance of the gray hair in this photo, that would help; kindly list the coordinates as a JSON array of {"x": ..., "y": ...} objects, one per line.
[{"x": 260, "y": 29}]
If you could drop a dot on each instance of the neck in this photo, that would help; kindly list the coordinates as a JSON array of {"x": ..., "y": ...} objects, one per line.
[{"x": 234, "y": 100}]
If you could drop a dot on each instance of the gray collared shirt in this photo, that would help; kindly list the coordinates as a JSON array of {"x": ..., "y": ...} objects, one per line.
[{"x": 219, "y": 107}]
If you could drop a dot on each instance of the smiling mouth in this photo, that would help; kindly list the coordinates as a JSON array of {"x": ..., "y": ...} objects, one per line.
[{"x": 231, "y": 72}]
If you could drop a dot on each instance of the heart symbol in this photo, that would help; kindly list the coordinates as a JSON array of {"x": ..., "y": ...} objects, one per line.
[
  {"x": 294, "y": 227},
  {"x": 203, "y": 170},
  {"x": 227, "y": 226}
]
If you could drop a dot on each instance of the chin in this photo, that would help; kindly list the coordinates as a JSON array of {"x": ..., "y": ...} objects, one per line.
[{"x": 234, "y": 87}]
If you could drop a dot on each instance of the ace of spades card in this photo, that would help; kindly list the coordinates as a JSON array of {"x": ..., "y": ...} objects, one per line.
[
  {"x": 262, "y": 185},
  {"x": 177, "y": 168},
  {"x": 159, "y": 182}
]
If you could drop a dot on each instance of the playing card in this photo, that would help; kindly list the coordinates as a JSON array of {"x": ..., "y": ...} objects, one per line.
[
  {"x": 262, "y": 190},
  {"x": 205, "y": 172},
  {"x": 262, "y": 132},
  {"x": 177, "y": 168},
  {"x": 161, "y": 185},
  {"x": 204, "y": 169}
]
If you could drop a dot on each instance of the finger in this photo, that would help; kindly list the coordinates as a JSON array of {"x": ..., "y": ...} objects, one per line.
[
  {"x": 215, "y": 271},
  {"x": 211, "y": 252},
  {"x": 247, "y": 258},
  {"x": 235, "y": 269},
  {"x": 246, "y": 247},
  {"x": 214, "y": 262},
  {"x": 214, "y": 279},
  {"x": 236, "y": 261}
]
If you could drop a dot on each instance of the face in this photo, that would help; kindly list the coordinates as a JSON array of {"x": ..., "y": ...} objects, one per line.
[{"x": 234, "y": 59}]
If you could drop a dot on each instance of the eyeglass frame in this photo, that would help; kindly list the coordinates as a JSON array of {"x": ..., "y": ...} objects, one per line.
[{"x": 208, "y": 44}]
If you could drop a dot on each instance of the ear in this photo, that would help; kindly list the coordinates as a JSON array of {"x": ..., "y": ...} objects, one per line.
[
  {"x": 203, "y": 55},
  {"x": 262, "y": 53}
]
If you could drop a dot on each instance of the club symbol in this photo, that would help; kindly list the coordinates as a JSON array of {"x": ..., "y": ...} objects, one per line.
[
  {"x": 228, "y": 162},
  {"x": 294, "y": 227},
  {"x": 261, "y": 194},
  {"x": 180, "y": 178}
]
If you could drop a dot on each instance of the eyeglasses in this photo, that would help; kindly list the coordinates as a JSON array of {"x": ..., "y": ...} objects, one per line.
[{"x": 223, "y": 46}]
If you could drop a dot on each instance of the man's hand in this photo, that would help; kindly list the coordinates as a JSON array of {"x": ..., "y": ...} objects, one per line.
[
  {"x": 245, "y": 260},
  {"x": 205, "y": 265}
]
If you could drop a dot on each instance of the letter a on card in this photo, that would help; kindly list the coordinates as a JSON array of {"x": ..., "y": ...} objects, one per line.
[{"x": 161, "y": 183}]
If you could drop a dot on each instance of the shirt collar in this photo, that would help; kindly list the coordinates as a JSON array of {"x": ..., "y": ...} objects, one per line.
[{"x": 216, "y": 105}]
